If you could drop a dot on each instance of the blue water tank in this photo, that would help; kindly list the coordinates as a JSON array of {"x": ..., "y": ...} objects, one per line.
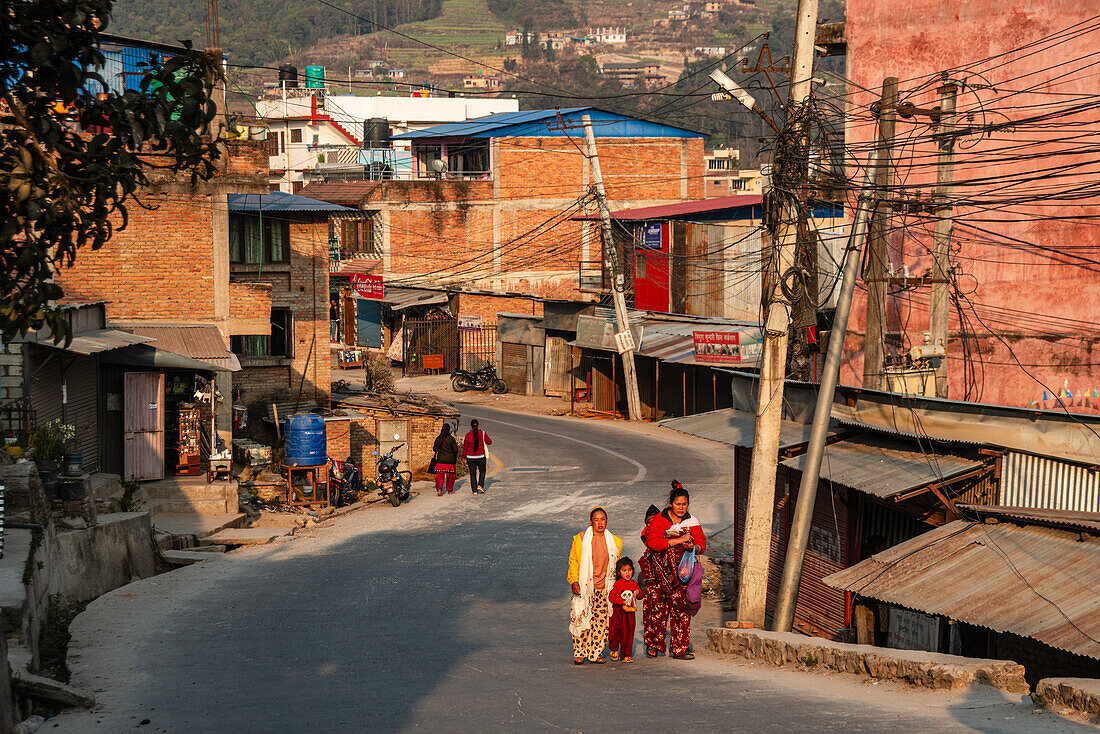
[{"x": 304, "y": 440}]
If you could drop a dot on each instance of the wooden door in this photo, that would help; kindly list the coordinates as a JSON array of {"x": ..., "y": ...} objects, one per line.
[
  {"x": 387, "y": 429},
  {"x": 559, "y": 363},
  {"x": 143, "y": 425}
]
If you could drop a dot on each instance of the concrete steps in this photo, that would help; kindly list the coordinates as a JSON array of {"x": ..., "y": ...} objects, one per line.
[
  {"x": 200, "y": 526},
  {"x": 190, "y": 494}
]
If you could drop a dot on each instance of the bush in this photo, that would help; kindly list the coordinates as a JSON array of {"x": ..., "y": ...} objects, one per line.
[
  {"x": 50, "y": 439},
  {"x": 377, "y": 375}
]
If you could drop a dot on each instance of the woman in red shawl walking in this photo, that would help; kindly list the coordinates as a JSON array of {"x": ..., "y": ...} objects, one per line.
[{"x": 668, "y": 536}]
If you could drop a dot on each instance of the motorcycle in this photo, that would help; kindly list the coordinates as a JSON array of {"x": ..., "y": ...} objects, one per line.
[
  {"x": 344, "y": 482},
  {"x": 483, "y": 379},
  {"x": 394, "y": 484}
]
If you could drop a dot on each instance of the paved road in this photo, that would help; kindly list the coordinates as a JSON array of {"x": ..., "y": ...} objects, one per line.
[{"x": 449, "y": 614}]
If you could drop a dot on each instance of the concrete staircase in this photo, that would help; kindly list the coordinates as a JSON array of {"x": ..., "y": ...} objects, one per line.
[{"x": 190, "y": 495}]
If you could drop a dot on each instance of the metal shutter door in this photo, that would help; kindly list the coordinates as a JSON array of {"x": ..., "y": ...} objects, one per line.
[{"x": 514, "y": 367}]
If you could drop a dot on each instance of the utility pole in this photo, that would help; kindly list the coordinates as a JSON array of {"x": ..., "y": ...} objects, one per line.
[
  {"x": 941, "y": 236},
  {"x": 874, "y": 353},
  {"x": 611, "y": 261},
  {"x": 811, "y": 468},
  {"x": 789, "y": 181}
]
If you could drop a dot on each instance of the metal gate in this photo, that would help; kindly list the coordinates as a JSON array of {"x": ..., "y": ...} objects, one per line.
[
  {"x": 431, "y": 346},
  {"x": 514, "y": 367},
  {"x": 479, "y": 347}
]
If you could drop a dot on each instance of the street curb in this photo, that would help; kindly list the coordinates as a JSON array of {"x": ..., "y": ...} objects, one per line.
[
  {"x": 915, "y": 667},
  {"x": 1079, "y": 694}
]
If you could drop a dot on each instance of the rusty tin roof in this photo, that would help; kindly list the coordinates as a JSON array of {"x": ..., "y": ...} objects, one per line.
[{"x": 1037, "y": 582}]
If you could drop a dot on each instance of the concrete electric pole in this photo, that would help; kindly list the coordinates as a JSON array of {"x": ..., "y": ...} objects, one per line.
[
  {"x": 874, "y": 353},
  {"x": 611, "y": 258},
  {"x": 811, "y": 469},
  {"x": 941, "y": 237},
  {"x": 789, "y": 182}
]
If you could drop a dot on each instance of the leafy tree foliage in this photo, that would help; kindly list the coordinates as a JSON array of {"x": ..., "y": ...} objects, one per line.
[
  {"x": 542, "y": 15},
  {"x": 71, "y": 155}
]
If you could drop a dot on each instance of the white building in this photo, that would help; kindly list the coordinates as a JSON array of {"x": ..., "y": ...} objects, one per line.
[
  {"x": 609, "y": 35},
  {"x": 312, "y": 133},
  {"x": 709, "y": 50}
]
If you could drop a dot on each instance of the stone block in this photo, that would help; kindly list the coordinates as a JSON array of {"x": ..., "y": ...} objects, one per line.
[{"x": 1080, "y": 694}]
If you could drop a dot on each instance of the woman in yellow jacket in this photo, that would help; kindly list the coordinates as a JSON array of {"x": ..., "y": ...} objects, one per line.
[{"x": 591, "y": 575}]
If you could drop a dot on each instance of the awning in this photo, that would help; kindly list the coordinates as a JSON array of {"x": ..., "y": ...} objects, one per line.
[
  {"x": 735, "y": 427},
  {"x": 278, "y": 201},
  {"x": 885, "y": 468},
  {"x": 398, "y": 299},
  {"x": 94, "y": 342},
  {"x": 1037, "y": 582},
  {"x": 146, "y": 355},
  {"x": 200, "y": 343}
]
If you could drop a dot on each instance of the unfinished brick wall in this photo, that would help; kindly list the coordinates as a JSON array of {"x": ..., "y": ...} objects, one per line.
[
  {"x": 250, "y": 300},
  {"x": 487, "y": 306},
  {"x": 246, "y": 157},
  {"x": 364, "y": 439},
  {"x": 159, "y": 267},
  {"x": 338, "y": 438}
]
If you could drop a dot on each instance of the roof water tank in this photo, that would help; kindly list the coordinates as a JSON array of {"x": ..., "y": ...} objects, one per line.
[
  {"x": 304, "y": 440},
  {"x": 376, "y": 133},
  {"x": 315, "y": 77},
  {"x": 288, "y": 76}
]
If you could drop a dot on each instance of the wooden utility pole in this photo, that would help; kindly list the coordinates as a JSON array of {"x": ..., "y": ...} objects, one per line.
[
  {"x": 789, "y": 180},
  {"x": 611, "y": 262},
  {"x": 941, "y": 236},
  {"x": 874, "y": 353},
  {"x": 811, "y": 468}
]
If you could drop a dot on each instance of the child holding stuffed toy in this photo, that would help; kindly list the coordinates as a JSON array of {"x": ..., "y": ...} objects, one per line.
[{"x": 624, "y": 602}]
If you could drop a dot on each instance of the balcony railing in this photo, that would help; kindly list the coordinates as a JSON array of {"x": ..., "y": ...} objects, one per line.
[{"x": 590, "y": 277}]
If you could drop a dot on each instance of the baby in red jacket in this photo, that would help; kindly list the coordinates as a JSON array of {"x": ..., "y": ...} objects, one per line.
[{"x": 624, "y": 601}]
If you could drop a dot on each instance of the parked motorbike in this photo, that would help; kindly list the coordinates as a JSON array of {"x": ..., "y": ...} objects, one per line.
[
  {"x": 345, "y": 482},
  {"x": 395, "y": 485},
  {"x": 484, "y": 379}
]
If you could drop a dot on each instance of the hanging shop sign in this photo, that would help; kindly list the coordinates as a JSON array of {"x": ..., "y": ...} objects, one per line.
[
  {"x": 367, "y": 286},
  {"x": 909, "y": 630},
  {"x": 469, "y": 322},
  {"x": 728, "y": 347},
  {"x": 651, "y": 236},
  {"x": 597, "y": 333}
]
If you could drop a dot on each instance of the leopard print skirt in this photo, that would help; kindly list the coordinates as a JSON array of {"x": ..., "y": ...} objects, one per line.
[{"x": 592, "y": 641}]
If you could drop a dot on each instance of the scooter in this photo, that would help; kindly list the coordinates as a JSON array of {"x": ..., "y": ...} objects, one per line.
[
  {"x": 395, "y": 485},
  {"x": 344, "y": 482},
  {"x": 484, "y": 379}
]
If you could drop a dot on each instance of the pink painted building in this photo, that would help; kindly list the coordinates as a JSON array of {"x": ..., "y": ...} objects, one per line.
[{"x": 1026, "y": 240}]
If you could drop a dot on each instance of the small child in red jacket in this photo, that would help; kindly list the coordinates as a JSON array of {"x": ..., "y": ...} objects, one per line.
[{"x": 624, "y": 601}]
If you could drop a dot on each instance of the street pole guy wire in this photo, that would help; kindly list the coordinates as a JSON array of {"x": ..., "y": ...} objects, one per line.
[
  {"x": 811, "y": 468},
  {"x": 788, "y": 188}
]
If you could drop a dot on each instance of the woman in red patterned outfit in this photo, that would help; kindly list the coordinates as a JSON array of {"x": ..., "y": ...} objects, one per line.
[{"x": 671, "y": 534}]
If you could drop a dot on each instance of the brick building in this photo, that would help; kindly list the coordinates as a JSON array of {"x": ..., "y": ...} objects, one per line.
[
  {"x": 497, "y": 218},
  {"x": 1014, "y": 264}
]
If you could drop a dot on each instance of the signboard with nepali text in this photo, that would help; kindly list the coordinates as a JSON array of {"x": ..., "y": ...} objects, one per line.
[
  {"x": 596, "y": 333},
  {"x": 367, "y": 286},
  {"x": 469, "y": 322},
  {"x": 727, "y": 347}
]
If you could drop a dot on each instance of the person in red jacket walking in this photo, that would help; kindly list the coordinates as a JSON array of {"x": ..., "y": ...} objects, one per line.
[
  {"x": 671, "y": 534},
  {"x": 624, "y": 602},
  {"x": 473, "y": 448}
]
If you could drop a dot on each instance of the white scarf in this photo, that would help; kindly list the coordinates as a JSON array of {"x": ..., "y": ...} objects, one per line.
[
  {"x": 682, "y": 527},
  {"x": 580, "y": 618}
]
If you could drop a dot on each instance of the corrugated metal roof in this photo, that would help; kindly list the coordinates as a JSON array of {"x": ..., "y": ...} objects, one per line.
[
  {"x": 674, "y": 341},
  {"x": 93, "y": 342},
  {"x": 885, "y": 468},
  {"x": 204, "y": 343},
  {"x": 398, "y": 299},
  {"x": 1089, "y": 521},
  {"x": 534, "y": 123},
  {"x": 735, "y": 427},
  {"x": 672, "y": 211},
  {"x": 1037, "y": 481},
  {"x": 356, "y": 265},
  {"x": 278, "y": 201},
  {"x": 1030, "y": 581}
]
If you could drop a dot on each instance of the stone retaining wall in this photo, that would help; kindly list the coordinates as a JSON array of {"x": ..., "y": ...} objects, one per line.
[
  {"x": 1082, "y": 694},
  {"x": 918, "y": 668}
]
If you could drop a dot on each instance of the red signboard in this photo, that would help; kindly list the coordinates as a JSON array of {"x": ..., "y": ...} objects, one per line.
[
  {"x": 367, "y": 286},
  {"x": 717, "y": 347}
]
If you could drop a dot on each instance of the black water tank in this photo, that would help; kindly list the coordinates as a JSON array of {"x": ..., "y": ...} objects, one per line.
[
  {"x": 376, "y": 133},
  {"x": 288, "y": 76}
]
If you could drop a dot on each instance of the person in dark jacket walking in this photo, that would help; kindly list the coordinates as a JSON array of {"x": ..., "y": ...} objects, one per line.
[
  {"x": 473, "y": 448},
  {"x": 446, "y": 460}
]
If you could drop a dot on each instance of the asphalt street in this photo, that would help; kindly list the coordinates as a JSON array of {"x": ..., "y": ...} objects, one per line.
[{"x": 450, "y": 614}]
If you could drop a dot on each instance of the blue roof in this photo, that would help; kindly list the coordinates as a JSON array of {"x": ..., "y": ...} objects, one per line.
[
  {"x": 535, "y": 123},
  {"x": 277, "y": 201}
]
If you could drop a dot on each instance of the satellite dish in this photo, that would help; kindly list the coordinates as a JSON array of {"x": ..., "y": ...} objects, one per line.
[{"x": 438, "y": 166}]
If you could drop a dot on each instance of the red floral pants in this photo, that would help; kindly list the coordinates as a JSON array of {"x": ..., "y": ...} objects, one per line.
[{"x": 661, "y": 610}]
